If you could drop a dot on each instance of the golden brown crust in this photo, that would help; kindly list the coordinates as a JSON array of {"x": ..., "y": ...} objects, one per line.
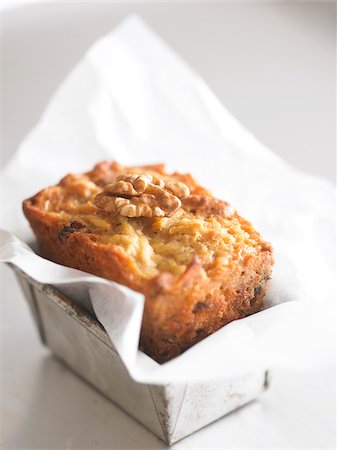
[
  {"x": 180, "y": 313},
  {"x": 190, "y": 293}
]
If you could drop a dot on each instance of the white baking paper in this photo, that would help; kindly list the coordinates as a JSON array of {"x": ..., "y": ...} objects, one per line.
[{"x": 132, "y": 99}]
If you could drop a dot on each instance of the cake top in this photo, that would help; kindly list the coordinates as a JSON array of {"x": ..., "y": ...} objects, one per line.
[{"x": 162, "y": 222}]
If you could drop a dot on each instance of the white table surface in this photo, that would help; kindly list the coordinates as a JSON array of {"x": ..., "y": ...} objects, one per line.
[{"x": 273, "y": 65}]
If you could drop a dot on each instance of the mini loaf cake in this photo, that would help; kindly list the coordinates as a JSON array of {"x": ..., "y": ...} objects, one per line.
[{"x": 199, "y": 264}]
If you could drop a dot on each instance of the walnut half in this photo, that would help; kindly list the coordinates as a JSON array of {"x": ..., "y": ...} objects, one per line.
[{"x": 141, "y": 195}]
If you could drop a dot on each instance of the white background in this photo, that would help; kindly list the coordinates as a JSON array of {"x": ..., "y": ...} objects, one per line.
[{"x": 273, "y": 65}]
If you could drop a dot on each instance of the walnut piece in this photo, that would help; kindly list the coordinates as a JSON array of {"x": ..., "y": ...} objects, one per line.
[
  {"x": 142, "y": 195},
  {"x": 207, "y": 206}
]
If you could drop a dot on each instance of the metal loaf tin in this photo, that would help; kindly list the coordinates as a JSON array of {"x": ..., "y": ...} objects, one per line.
[{"x": 172, "y": 411}]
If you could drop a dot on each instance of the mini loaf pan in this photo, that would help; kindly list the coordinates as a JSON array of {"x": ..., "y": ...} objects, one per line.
[{"x": 171, "y": 411}]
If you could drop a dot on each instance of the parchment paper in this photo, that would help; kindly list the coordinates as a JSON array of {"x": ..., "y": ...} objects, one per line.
[{"x": 132, "y": 99}]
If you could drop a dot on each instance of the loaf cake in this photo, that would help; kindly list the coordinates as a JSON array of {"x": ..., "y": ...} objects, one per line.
[{"x": 199, "y": 264}]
